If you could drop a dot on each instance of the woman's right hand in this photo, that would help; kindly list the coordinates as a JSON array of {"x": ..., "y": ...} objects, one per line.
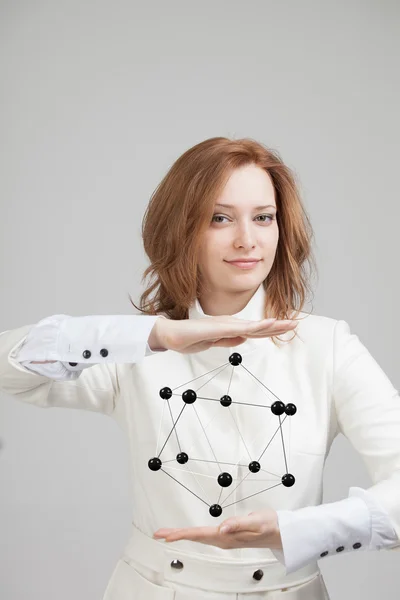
[{"x": 195, "y": 335}]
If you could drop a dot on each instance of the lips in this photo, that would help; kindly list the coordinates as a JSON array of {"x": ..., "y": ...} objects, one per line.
[
  {"x": 243, "y": 261},
  {"x": 243, "y": 264}
]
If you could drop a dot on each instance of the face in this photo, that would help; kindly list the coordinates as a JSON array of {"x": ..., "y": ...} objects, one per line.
[{"x": 245, "y": 227}]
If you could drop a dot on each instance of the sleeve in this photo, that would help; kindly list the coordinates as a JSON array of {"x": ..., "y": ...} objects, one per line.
[
  {"x": 314, "y": 532},
  {"x": 88, "y": 340},
  {"x": 45, "y": 337},
  {"x": 97, "y": 388},
  {"x": 368, "y": 413}
]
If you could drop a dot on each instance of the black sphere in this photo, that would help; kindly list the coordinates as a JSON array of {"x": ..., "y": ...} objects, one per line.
[
  {"x": 254, "y": 466},
  {"x": 182, "y": 458},
  {"x": 235, "y": 359},
  {"x": 165, "y": 393},
  {"x": 278, "y": 408},
  {"x": 226, "y": 400},
  {"x": 224, "y": 479},
  {"x": 189, "y": 396},
  {"x": 215, "y": 510},
  {"x": 290, "y": 409},
  {"x": 288, "y": 480},
  {"x": 154, "y": 464}
]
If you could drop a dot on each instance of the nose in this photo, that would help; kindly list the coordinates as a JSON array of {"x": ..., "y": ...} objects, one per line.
[{"x": 245, "y": 236}]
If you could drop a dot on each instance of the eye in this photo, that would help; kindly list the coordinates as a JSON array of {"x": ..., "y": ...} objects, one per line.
[
  {"x": 268, "y": 219},
  {"x": 218, "y": 217}
]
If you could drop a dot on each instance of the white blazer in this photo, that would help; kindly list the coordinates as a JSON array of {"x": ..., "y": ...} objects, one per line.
[{"x": 325, "y": 372}]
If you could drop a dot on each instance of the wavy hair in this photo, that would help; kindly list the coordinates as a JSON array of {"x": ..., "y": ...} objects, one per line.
[{"x": 180, "y": 211}]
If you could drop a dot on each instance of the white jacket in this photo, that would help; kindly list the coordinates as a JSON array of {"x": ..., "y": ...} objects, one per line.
[{"x": 326, "y": 372}]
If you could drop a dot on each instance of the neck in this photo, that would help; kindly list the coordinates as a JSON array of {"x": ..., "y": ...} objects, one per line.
[{"x": 225, "y": 303}]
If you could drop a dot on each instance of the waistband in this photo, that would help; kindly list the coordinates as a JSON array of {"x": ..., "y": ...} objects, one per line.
[{"x": 212, "y": 573}]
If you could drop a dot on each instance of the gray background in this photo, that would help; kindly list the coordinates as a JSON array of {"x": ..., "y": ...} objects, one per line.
[{"x": 98, "y": 99}]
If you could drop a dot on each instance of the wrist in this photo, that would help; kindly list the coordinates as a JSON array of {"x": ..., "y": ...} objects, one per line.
[
  {"x": 155, "y": 338},
  {"x": 276, "y": 542}
]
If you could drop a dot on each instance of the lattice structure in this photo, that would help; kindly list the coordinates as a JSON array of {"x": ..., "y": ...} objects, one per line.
[{"x": 224, "y": 479}]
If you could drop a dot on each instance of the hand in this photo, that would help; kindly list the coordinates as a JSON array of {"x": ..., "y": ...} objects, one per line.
[
  {"x": 259, "y": 529},
  {"x": 196, "y": 335}
]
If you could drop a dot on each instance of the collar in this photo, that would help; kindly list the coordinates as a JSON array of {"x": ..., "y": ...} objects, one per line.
[{"x": 253, "y": 311}]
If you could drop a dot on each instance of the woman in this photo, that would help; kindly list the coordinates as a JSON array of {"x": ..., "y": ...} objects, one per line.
[{"x": 277, "y": 386}]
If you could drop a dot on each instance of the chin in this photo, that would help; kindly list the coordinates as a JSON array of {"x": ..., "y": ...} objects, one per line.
[{"x": 244, "y": 284}]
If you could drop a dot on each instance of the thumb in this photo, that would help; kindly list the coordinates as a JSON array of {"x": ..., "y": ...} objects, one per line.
[
  {"x": 252, "y": 522},
  {"x": 230, "y": 525}
]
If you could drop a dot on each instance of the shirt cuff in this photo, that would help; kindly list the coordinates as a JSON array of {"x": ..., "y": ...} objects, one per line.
[
  {"x": 149, "y": 351},
  {"x": 90, "y": 339},
  {"x": 383, "y": 533},
  {"x": 315, "y": 532}
]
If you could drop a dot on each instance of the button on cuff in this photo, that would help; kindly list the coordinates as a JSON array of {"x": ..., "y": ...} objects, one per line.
[{"x": 109, "y": 338}]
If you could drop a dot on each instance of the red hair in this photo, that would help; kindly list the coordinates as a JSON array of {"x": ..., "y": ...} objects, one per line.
[{"x": 180, "y": 211}]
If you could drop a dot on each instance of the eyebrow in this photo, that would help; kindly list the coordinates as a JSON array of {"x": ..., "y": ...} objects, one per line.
[{"x": 256, "y": 208}]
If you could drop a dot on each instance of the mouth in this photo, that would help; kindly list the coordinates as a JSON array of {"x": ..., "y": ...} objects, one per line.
[{"x": 244, "y": 264}]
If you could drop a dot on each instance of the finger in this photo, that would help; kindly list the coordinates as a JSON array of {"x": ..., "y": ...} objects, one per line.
[
  {"x": 188, "y": 533},
  {"x": 202, "y": 538},
  {"x": 161, "y": 533},
  {"x": 277, "y": 326},
  {"x": 270, "y": 327},
  {"x": 278, "y": 323},
  {"x": 229, "y": 319},
  {"x": 270, "y": 333},
  {"x": 237, "y": 328},
  {"x": 249, "y": 331},
  {"x": 227, "y": 342},
  {"x": 240, "y": 325},
  {"x": 262, "y": 333}
]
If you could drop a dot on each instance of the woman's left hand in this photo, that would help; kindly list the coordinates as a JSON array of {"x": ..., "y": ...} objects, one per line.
[{"x": 259, "y": 529}]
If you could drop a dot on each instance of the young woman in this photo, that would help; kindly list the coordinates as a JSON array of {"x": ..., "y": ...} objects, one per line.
[{"x": 230, "y": 394}]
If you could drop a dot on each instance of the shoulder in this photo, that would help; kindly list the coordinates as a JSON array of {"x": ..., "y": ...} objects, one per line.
[
  {"x": 320, "y": 332},
  {"x": 316, "y": 325}
]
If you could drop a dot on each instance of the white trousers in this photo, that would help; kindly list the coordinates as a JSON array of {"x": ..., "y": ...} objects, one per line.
[{"x": 145, "y": 572}]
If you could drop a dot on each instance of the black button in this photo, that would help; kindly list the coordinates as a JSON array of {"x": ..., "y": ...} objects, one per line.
[
  {"x": 176, "y": 564},
  {"x": 259, "y": 574},
  {"x": 324, "y": 554},
  {"x": 104, "y": 352},
  {"x": 357, "y": 546},
  {"x": 340, "y": 549},
  {"x": 73, "y": 364},
  {"x": 86, "y": 354}
]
